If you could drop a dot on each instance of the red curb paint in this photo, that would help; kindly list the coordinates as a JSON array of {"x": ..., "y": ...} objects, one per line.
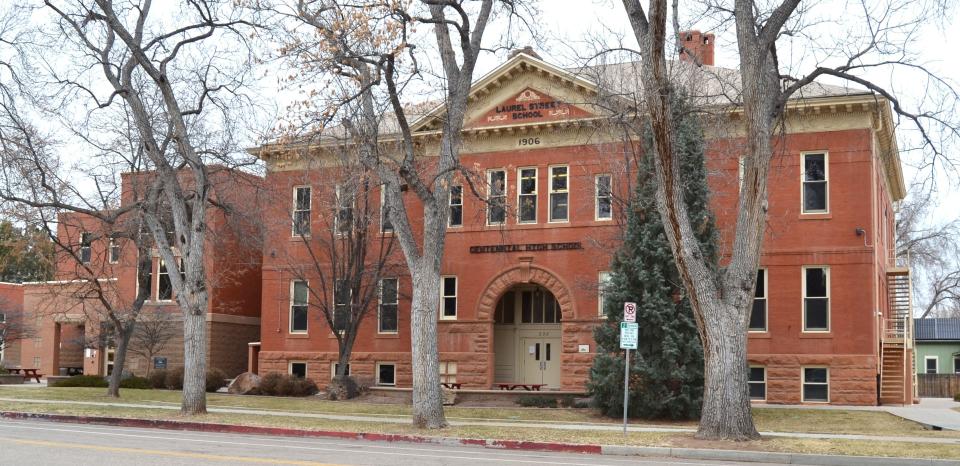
[{"x": 285, "y": 432}]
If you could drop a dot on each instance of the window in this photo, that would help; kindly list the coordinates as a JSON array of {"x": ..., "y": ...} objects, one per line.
[
  {"x": 386, "y": 226},
  {"x": 448, "y": 372},
  {"x": 506, "y": 309},
  {"x": 386, "y": 373},
  {"x": 603, "y": 283},
  {"x": 956, "y": 364},
  {"x": 456, "y": 206},
  {"x": 301, "y": 211},
  {"x": 298, "y": 369},
  {"x": 559, "y": 194},
  {"x": 527, "y": 195},
  {"x": 539, "y": 307},
  {"x": 341, "y": 305},
  {"x": 496, "y": 197},
  {"x": 164, "y": 286},
  {"x": 816, "y": 384},
  {"x": 36, "y": 362},
  {"x": 448, "y": 297},
  {"x": 758, "y": 315},
  {"x": 114, "y": 250},
  {"x": 343, "y": 218},
  {"x": 336, "y": 365},
  {"x": 815, "y": 177},
  {"x": 931, "y": 364},
  {"x": 816, "y": 299},
  {"x": 86, "y": 239},
  {"x": 741, "y": 170},
  {"x": 298, "y": 306},
  {"x": 758, "y": 383},
  {"x": 388, "y": 305},
  {"x": 604, "y": 198}
]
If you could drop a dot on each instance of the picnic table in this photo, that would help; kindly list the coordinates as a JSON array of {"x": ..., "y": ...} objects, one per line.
[
  {"x": 530, "y": 387},
  {"x": 451, "y": 385},
  {"x": 27, "y": 373}
]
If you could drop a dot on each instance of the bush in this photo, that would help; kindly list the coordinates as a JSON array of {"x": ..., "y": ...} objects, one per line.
[
  {"x": 216, "y": 379},
  {"x": 174, "y": 379},
  {"x": 537, "y": 401},
  {"x": 139, "y": 383},
  {"x": 956, "y": 397},
  {"x": 276, "y": 384},
  {"x": 158, "y": 378},
  {"x": 83, "y": 381}
]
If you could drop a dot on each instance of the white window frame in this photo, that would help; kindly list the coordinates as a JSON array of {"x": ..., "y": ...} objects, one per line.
[
  {"x": 956, "y": 364},
  {"x": 936, "y": 364},
  {"x": 292, "y": 303},
  {"x": 309, "y": 210},
  {"x": 338, "y": 190},
  {"x": 446, "y": 375},
  {"x": 603, "y": 280},
  {"x": 803, "y": 383},
  {"x": 826, "y": 182},
  {"x": 451, "y": 205},
  {"x": 596, "y": 197},
  {"x": 306, "y": 368},
  {"x": 380, "y": 305},
  {"x": 535, "y": 194},
  {"x": 114, "y": 245},
  {"x": 506, "y": 183},
  {"x": 741, "y": 170},
  {"x": 161, "y": 265},
  {"x": 86, "y": 247},
  {"x": 766, "y": 307},
  {"x": 336, "y": 305},
  {"x": 551, "y": 192},
  {"x": 333, "y": 369},
  {"x": 765, "y": 386},
  {"x": 377, "y": 375},
  {"x": 803, "y": 297},
  {"x": 455, "y": 296},
  {"x": 383, "y": 213}
]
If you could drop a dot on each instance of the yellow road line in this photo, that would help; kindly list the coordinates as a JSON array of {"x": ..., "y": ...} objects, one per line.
[{"x": 241, "y": 459}]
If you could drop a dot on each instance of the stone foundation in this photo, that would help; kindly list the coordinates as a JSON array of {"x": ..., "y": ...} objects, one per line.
[{"x": 852, "y": 377}]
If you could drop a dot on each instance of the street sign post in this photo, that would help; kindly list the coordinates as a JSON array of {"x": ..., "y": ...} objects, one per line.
[{"x": 629, "y": 331}]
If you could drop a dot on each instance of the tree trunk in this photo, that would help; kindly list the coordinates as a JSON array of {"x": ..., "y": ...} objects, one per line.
[
  {"x": 427, "y": 395},
  {"x": 194, "y": 399},
  {"x": 119, "y": 359},
  {"x": 726, "y": 395}
]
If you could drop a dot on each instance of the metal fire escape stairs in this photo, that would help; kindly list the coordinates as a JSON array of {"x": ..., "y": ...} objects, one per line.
[{"x": 896, "y": 358}]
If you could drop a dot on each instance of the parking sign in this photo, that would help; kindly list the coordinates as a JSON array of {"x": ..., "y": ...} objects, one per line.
[{"x": 629, "y": 312}]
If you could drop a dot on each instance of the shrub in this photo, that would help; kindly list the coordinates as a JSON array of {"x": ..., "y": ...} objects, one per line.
[
  {"x": 537, "y": 401},
  {"x": 158, "y": 378},
  {"x": 276, "y": 384},
  {"x": 342, "y": 388},
  {"x": 139, "y": 383},
  {"x": 216, "y": 379},
  {"x": 174, "y": 379},
  {"x": 83, "y": 381},
  {"x": 956, "y": 397}
]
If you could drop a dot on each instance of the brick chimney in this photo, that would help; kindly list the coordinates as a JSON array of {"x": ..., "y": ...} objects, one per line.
[{"x": 700, "y": 46}]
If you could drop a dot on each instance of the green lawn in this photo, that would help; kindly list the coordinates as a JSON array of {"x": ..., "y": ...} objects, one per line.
[{"x": 767, "y": 419}]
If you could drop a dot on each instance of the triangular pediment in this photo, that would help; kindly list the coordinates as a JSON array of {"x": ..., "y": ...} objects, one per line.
[
  {"x": 528, "y": 106},
  {"x": 523, "y": 91}
]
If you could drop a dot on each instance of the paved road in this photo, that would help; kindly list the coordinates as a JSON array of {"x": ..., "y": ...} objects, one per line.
[{"x": 50, "y": 443}]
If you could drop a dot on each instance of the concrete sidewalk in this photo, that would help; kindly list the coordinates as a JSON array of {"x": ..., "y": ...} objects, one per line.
[
  {"x": 396, "y": 419},
  {"x": 937, "y": 413}
]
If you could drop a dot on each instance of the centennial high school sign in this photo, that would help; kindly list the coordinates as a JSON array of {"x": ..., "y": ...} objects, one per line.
[{"x": 526, "y": 247}]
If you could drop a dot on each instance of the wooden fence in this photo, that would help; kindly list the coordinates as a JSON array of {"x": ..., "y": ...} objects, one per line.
[{"x": 938, "y": 385}]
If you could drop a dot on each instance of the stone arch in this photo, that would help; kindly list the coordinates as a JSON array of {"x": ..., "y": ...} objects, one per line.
[{"x": 521, "y": 274}]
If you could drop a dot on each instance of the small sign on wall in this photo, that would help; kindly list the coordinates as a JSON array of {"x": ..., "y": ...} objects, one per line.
[
  {"x": 159, "y": 363},
  {"x": 583, "y": 348}
]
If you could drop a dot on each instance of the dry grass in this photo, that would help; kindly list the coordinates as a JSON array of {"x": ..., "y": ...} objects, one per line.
[{"x": 795, "y": 445}]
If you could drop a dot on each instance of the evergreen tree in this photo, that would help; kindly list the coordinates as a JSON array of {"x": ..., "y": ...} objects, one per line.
[{"x": 666, "y": 373}]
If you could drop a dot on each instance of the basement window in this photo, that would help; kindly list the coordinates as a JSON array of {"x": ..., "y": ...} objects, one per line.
[
  {"x": 758, "y": 383},
  {"x": 386, "y": 373},
  {"x": 298, "y": 369},
  {"x": 448, "y": 372},
  {"x": 816, "y": 384}
]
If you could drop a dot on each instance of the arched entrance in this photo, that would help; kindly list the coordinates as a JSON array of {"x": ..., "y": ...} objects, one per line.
[{"x": 527, "y": 336}]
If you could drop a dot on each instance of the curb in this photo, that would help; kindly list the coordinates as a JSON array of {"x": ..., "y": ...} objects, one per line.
[{"x": 611, "y": 450}]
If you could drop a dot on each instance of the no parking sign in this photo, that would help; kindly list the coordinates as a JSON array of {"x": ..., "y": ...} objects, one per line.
[{"x": 629, "y": 312}]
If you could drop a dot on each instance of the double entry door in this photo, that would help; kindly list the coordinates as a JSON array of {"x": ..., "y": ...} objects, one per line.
[{"x": 541, "y": 360}]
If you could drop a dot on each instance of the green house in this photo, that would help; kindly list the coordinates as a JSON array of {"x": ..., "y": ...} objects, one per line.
[{"x": 937, "y": 345}]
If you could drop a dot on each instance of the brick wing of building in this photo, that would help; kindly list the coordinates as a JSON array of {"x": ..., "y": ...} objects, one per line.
[{"x": 521, "y": 285}]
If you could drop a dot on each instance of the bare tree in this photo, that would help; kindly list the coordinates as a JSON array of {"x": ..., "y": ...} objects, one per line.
[
  {"x": 721, "y": 297},
  {"x": 932, "y": 250},
  {"x": 152, "y": 335},
  {"x": 365, "y": 49},
  {"x": 15, "y": 325}
]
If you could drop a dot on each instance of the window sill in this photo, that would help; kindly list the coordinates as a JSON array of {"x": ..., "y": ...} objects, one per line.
[
  {"x": 815, "y": 335},
  {"x": 447, "y": 319},
  {"x": 298, "y": 336},
  {"x": 391, "y": 335},
  {"x": 816, "y": 216},
  {"x": 759, "y": 335}
]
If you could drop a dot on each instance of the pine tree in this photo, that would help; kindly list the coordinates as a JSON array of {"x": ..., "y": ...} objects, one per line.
[{"x": 666, "y": 373}]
